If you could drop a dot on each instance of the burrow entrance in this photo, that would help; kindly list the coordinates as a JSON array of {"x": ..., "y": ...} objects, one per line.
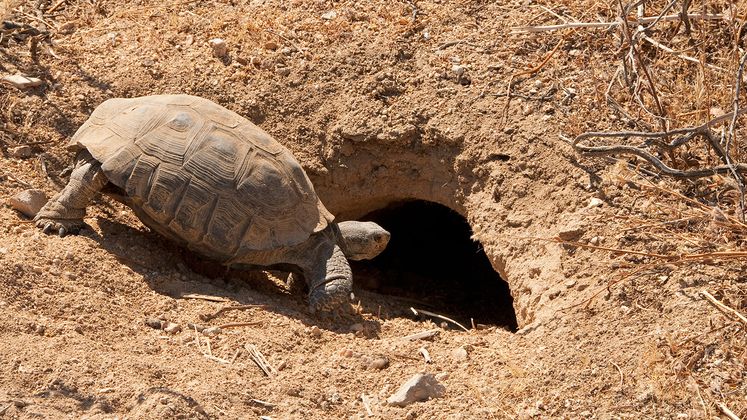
[{"x": 432, "y": 263}]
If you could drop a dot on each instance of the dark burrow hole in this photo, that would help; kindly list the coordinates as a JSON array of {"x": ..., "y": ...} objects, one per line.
[{"x": 432, "y": 263}]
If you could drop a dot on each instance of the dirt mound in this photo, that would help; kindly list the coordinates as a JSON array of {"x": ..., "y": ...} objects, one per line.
[{"x": 400, "y": 113}]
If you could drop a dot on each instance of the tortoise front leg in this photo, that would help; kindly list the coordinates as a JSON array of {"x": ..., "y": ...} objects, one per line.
[
  {"x": 64, "y": 212},
  {"x": 330, "y": 281}
]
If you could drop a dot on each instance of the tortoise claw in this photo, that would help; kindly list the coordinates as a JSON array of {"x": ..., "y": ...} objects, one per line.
[
  {"x": 47, "y": 228},
  {"x": 62, "y": 232}
]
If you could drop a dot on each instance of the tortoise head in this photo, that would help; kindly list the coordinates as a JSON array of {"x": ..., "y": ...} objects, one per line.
[{"x": 362, "y": 240}]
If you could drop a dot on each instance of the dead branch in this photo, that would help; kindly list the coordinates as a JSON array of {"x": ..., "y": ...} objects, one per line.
[
  {"x": 685, "y": 135},
  {"x": 608, "y": 25}
]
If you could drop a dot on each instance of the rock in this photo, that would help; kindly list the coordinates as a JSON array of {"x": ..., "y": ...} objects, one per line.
[
  {"x": 570, "y": 283},
  {"x": 20, "y": 152},
  {"x": 331, "y": 15},
  {"x": 421, "y": 387},
  {"x": 571, "y": 232},
  {"x": 155, "y": 323},
  {"x": 596, "y": 240},
  {"x": 211, "y": 331},
  {"x": 315, "y": 332},
  {"x": 21, "y": 82},
  {"x": 271, "y": 45},
  {"x": 459, "y": 70},
  {"x": 172, "y": 328},
  {"x": 378, "y": 363},
  {"x": 459, "y": 353},
  {"x": 283, "y": 71},
  {"x": 346, "y": 353},
  {"x": 595, "y": 202},
  {"x": 28, "y": 202},
  {"x": 220, "y": 49}
]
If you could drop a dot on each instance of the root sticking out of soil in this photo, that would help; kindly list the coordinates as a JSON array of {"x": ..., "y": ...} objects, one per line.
[{"x": 433, "y": 263}]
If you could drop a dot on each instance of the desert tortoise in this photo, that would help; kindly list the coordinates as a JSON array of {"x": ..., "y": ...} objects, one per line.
[{"x": 212, "y": 181}]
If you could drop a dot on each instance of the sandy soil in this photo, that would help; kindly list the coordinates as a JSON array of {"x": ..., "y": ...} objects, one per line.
[{"x": 383, "y": 103}]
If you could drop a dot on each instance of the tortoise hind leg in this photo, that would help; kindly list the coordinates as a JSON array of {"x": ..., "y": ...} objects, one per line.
[{"x": 64, "y": 212}]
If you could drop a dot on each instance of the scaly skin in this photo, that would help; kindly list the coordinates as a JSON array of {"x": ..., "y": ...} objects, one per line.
[
  {"x": 64, "y": 213},
  {"x": 330, "y": 282}
]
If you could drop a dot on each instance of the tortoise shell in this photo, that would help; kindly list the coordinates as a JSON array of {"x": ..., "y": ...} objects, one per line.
[{"x": 203, "y": 175}]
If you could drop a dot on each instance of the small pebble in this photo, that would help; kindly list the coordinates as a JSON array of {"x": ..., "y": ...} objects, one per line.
[
  {"x": 155, "y": 323},
  {"x": 69, "y": 275},
  {"x": 570, "y": 283},
  {"x": 283, "y": 71},
  {"x": 459, "y": 70},
  {"x": 220, "y": 49},
  {"x": 442, "y": 376},
  {"x": 212, "y": 331},
  {"x": 459, "y": 353},
  {"x": 378, "y": 363},
  {"x": 329, "y": 15},
  {"x": 346, "y": 353},
  {"x": 595, "y": 202},
  {"x": 420, "y": 387},
  {"x": 36, "y": 269},
  {"x": 271, "y": 45},
  {"x": 172, "y": 328},
  {"x": 315, "y": 332},
  {"x": 28, "y": 202}
]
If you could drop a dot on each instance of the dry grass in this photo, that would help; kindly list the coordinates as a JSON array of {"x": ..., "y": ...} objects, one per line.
[{"x": 673, "y": 227}]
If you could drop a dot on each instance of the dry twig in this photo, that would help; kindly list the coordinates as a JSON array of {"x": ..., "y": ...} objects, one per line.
[
  {"x": 421, "y": 335},
  {"x": 723, "y": 308},
  {"x": 425, "y": 354},
  {"x": 728, "y": 413},
  {"x": 424, "y": 312},
  {"x": 204, "y": 297},
  {"x": 608, "y": 25},
  {"x": 239, "y": 324},
  {"x": 56, "y": 6},
  {"x": 366, "y": 404},
  {"x": 208, "y": 317},
  {"x": 260, "y": 360}
]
